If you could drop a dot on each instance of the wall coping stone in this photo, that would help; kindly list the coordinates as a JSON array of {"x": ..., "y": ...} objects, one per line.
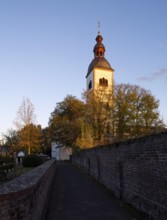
[
  {"x": 116, "y": 144},
  {"x": 26, "y": 180}
]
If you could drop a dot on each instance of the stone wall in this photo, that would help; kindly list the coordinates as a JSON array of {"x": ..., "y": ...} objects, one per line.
[
  {"x": 135, "y": 170},
  {"x": 26, "y": 196}
]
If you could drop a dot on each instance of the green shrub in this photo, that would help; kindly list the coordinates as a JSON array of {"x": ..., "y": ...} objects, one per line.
[
  {"x": 6, "y": 159},
  {"x": 32, "y": 161},
  {"x": 3, "y": 175},
  {"x": 1, "y": 161},
  {"x": 6, "y": 167}
]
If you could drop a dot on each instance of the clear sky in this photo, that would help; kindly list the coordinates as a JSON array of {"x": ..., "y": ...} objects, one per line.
[{"x": 47, "y": 45}]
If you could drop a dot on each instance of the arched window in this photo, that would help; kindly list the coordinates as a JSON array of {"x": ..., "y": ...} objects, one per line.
[
  {"x": 103, "y": 82},
  {"x": 90, "y": 85},
  {"x": 106, "y": 82}
]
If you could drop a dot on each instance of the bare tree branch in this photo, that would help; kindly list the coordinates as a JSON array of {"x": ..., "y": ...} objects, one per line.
[{"x": 25, "y": 114}]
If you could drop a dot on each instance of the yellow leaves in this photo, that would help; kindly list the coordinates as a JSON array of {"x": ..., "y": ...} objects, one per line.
[
  {"x": 104, "y": 116},
  {"x": 137, "y": 109},
  {"x": 30, "y": 138}
]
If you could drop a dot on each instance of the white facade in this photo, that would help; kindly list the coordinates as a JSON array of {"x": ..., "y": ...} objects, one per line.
[
  {"x": 90, "y": 79},
  {"x": 97, "y": 74},
  {"x": 60, "y": 152},
  {"x": 100, "y": 74}
]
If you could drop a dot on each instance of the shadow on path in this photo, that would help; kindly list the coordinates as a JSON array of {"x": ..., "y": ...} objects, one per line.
[{"x": 76, "y": 196}]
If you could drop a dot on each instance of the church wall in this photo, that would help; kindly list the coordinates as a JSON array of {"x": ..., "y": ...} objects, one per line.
[
  {"x": 100, "y": 73},
  {"x": 65, "y": 153},
  {"x": 59, "y": 152},
  {"x": 89, "y": 78},
  {"x": 135, "y": 170},
  {"x": 55, "y": 151}
]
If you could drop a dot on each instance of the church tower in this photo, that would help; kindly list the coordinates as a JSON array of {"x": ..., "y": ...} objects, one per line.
[{"x": 100, "y": 74}]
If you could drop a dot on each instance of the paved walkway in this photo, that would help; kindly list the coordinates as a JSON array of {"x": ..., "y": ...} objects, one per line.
[{"x": 76, "y": 196}]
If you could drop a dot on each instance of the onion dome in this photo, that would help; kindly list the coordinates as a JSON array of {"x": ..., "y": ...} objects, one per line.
[{"x": 99, "y": 51}]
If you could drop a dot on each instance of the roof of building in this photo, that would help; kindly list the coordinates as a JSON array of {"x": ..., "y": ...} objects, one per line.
[
  {"x": 99, "y": 62},
  {"x": 99, "y": 44}
]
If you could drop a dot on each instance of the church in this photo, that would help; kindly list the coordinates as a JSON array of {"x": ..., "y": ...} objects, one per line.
[{"x": 100, "y": 74}]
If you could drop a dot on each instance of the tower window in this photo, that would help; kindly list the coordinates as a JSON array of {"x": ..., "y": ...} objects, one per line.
[
  {"x": 103, "y": 82},
  {"x": 90, "y": 85},
  {"x": 101, "y": 54}
]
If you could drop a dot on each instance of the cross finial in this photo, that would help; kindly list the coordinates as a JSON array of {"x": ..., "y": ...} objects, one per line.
[{"x": 99, "y": 26}]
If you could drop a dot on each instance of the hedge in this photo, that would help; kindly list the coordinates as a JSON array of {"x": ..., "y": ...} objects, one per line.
[
  {"x": 4, "y": 170},
  {"x": 6, "y": 167},
  {"x": 32, "y": 161}
]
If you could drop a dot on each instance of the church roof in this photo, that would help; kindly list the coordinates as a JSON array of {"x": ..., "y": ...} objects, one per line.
[
  {"x": 99, "y": 44},
  {"x": 99, "y": 62}
]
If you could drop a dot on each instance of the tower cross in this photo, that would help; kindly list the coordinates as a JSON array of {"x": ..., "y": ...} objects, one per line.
[{"x": 99, "y": 26}]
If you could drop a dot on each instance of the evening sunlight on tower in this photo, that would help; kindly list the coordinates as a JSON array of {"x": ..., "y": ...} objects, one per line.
[{"x": 100, "y": 74}]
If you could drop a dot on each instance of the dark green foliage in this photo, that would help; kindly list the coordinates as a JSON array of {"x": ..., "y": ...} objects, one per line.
[
  {"x": 32, "y": 161},
  {"x": 7, "y": 167},
  {"x": 65, "y": 123},
  {"x": 1, "y": 160},
  {"x": 11, "y": 141},
  {"x": 4, "y": 170},
  {"x": 7, "y": 159},
  {"x": 46, "y": 141},
  {"x": 3, "y": 175}
]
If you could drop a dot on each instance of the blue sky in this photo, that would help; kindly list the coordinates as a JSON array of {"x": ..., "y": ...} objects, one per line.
[{"x": 47, "y": 45}]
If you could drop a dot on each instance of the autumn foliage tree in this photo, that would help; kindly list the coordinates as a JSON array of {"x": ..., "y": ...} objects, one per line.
[
  {"x": 130, "y": 111},
  {"x": 65, "y": 121},
  {"x": 98, "y": 115},
  {"x": 135, "y": 112},
  {"x": 11, "y": 140},
  {"x": 29, "y": 134},
  {"x": 30, "y": 138},
  {"x": 46, "y": 141}
]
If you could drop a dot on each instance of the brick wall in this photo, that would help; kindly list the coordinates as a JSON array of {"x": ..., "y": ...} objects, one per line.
[
  {"x": 26, "y": 196},
  {"x": 135, "y": 170}
]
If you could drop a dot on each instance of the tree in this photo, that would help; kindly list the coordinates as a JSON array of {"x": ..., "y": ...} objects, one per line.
[
  {"x": 98, "y": 115},
  {"x": 29, "y": 133},
  {"x": 46, "y": 141},
  {"x": 135, "y": 112},
  {"x": 25, "y": 114},
  {"x": 30, "y": 138},
  {"x": 65, "y": 121},
  {"x": 11, "y": 140},
  {"x": 85, "y": 140},
  {"x": 104, "y": 117},
  {"x": 130, "y": 111}
]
